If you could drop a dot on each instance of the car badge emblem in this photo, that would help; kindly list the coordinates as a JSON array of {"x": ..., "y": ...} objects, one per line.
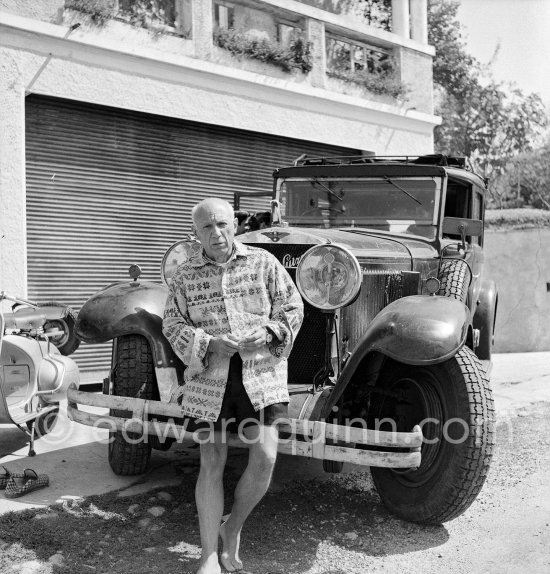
[{"x": 275, "y": 235}]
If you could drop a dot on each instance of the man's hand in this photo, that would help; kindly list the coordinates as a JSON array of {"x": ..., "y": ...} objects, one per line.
[
  {"x": 226, "y": 345},
  {"x": 258, "y": 338}
]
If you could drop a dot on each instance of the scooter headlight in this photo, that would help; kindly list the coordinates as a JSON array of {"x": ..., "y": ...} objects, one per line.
[{"x": 328, "y": 277}]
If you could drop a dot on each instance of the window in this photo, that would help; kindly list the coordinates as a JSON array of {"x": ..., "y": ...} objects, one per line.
[
  {"x": 286, "y": 33},
  {"x": 338, "y": 55},
  {"x": 224, "y": 16},
  {"x": 478, "y": 214},
  {"x": 346, "y": 56},
  {"x": 461, "y": 201},
  {"x": 457, "y": 201},
  {"x": 173, "y": 14}
]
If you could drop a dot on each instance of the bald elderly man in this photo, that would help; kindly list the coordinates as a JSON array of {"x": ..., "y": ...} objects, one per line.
[{"x": 232, "y": 316}]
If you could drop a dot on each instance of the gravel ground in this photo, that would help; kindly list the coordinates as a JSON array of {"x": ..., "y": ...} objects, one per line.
[{"x": 336, "y": 525}]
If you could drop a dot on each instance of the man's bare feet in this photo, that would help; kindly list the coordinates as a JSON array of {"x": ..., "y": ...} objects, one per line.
[
  {"x": 210, "y": 565},
  {"x": 230, "y": 553}
]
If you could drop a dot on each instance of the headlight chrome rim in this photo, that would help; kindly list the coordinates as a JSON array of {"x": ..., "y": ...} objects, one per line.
[
  {"x": 184, "y": 248},
  {"x": 343, "y": 274}
]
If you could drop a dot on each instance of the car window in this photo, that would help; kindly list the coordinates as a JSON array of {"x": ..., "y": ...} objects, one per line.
[
  {"x": 461, "y": 201},
  {"x": 477, "y": 209},
  {"x": 400, "y": 204}
]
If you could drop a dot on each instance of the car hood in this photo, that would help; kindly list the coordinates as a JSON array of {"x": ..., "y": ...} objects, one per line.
[{"x": 363, "y": 243}]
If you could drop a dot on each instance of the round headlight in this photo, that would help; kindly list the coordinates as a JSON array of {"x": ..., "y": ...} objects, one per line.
[
  {"x": 177, "y": 254},
  {"x": 328, "y": 277},
  {"x": 432, "y": 285}
]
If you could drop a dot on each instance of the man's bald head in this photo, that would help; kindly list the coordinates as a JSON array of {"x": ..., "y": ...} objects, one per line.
[
  {"x": 214, "y": 224},
  {"x": 210, "y": 205}
]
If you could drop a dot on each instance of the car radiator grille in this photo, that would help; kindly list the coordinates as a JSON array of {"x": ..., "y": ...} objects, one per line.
[{"x": 377, "y": 291}]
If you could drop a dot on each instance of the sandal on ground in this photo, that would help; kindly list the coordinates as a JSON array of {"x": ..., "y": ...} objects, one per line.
[
  {"x": 5, "y": 476},
  {"x": 21, "y": 484}
]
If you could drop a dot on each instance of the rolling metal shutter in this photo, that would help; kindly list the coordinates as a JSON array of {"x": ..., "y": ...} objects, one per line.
[{"x": 108, "y": 187}]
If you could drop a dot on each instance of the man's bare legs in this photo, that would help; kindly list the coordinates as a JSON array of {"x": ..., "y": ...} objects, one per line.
[
  {"x": 250, "y": 489},
  {"x": 209, "y": 500}
]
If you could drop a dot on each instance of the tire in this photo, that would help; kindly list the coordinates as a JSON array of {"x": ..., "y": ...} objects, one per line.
[
  {"x": 45, "y": 424},
  {"x": 134, "y": 376},
  {"x": 455, "y": 277},
  {"x": 68, "y": 342},
  {"x": 454, "y": 463}
]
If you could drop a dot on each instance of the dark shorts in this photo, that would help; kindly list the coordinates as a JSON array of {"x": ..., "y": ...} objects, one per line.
[{"x": 237, "y": 407}]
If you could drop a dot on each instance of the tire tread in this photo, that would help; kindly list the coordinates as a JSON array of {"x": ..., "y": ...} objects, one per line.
[
  {"x": 451, "y": 493},
  {"x": 134, "y": 377},
  {"x": 455, "y": 277},
  {"x": 477, "y": 458}
]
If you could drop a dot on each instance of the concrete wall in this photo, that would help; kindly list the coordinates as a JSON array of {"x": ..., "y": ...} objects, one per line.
[
  {"x": 44, "y": 10},
  {"x": 519, "y": 262},
  {"x": 417, "y": 75}
]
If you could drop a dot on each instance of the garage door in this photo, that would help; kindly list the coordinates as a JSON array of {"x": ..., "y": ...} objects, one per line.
[{"x": 108, "y": 187}]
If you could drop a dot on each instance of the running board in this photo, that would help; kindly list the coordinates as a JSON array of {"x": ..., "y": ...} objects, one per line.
[{"x": 313, "y": 439}]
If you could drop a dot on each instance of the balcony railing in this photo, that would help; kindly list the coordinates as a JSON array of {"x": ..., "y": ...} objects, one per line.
[{"x": 325, "y": 50}]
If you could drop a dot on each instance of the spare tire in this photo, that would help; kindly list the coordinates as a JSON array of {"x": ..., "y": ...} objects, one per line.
[{"x": 455, "y": 278}]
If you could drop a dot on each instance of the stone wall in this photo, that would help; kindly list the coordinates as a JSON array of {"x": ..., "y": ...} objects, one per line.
[{"x": 518, "y": 260}]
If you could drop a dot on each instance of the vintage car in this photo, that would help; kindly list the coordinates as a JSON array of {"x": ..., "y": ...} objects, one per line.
[{"x": 390, "y": 368}]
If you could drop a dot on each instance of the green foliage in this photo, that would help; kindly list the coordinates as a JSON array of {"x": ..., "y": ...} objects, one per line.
[
  {"x": 452, "y": 65},
  {"x": 146, "y": 13},
  {"x": 516, "y": 218},
  {"x": 488, "y": 121},
  {"x": 295, "y": 56},
  {"x": 526, "y": 180},
  {"x": 489, "y": 124},
  {"x": 380, "y": 82},
  {"x": 157, "y": 16},
  {"x": 100, "y": 10},
  {"x": 375, "y": 12}
]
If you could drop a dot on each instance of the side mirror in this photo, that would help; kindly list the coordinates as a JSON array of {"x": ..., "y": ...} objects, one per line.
[{"x": 462, "y": 227}]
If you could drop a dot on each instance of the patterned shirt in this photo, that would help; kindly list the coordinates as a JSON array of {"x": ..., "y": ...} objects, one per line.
[{"x": 209, "y": 299}]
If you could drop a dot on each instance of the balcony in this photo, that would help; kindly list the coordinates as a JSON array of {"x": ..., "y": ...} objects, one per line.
[{"x": 290, "y": 40}]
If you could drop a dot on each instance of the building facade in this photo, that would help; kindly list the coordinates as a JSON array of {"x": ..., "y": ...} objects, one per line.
[{"x": 115, "y": 120}]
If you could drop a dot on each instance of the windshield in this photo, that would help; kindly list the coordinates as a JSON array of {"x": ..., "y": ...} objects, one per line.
[{"x": 398, "y": 204}]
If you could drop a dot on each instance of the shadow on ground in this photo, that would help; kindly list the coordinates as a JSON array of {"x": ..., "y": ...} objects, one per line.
[{"x": 123, "y": 535}]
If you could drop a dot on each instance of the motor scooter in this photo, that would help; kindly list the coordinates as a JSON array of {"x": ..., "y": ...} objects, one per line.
[{"x": 35, "y": 371}]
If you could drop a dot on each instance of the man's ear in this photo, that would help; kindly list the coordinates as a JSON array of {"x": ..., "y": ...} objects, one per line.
[
  {"x": 235, "y": 223},
  {"x": 193, "y": 230}
]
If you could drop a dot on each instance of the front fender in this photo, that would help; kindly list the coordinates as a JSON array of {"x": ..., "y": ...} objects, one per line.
[
  {"x": 485, "y": 317},
  {"x": 128, "y": 308},
  {"x": 415, "y": 330}
]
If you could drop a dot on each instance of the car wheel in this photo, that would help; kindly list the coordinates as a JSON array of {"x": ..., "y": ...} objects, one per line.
[
  {"x": 453, "y": 404},
  {"x": 455, "y": 277},
  {"x": 134, "y": 376},
  {"x": 68, "y": 342}
]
